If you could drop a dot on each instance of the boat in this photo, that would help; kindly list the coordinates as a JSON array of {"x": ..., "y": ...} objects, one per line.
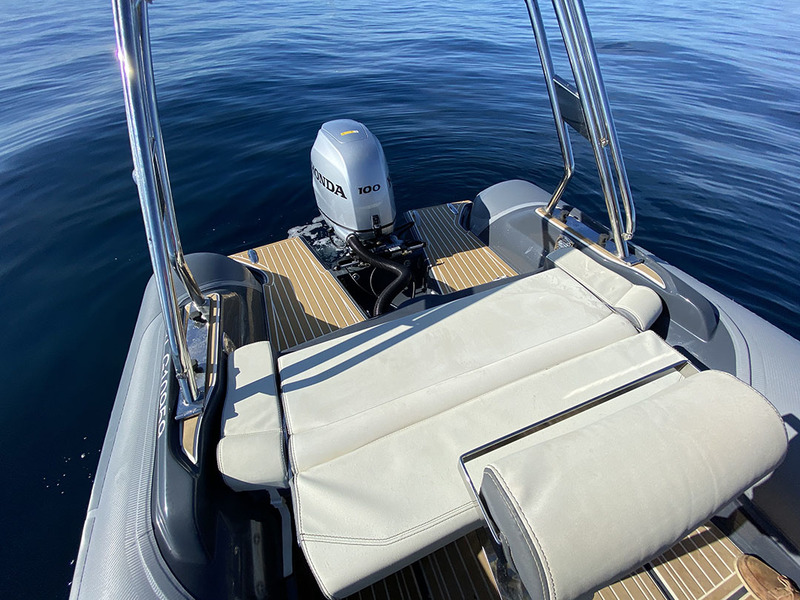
[{"x": 495, "y": 398}]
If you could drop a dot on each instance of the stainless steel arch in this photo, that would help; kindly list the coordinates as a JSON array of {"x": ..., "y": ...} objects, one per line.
[
  {"x": 155, "y": 196},
  {"x": 596, "y": 123}
]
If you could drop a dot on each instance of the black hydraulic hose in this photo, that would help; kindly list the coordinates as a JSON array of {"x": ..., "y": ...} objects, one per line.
[{"x": 402, "y": 273}]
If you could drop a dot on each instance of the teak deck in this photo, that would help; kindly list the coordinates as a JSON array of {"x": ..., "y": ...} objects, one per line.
[
  {"x": 458, "y": 259},
  {"x": 700, "y": 567},
  {"x": 304, "y": 300},
  {"x": 459, "y": 570}
]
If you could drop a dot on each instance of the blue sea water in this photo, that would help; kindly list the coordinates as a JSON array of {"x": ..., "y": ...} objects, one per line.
[{"x": 706, "y": 99}]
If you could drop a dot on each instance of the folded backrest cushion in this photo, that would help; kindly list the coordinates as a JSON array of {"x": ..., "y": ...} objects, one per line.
[{"x": 583, "y": 509}]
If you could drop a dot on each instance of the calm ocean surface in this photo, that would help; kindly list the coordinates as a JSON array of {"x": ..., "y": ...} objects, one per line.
[{"x": 707, "y": 103}]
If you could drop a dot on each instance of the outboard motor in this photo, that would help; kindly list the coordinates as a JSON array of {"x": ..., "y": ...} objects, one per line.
[
  {"x": 351, "y": 181},
  {"x": 355, "y": 198}
]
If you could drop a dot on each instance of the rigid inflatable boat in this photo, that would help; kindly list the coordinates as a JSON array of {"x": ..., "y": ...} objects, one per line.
[{"x": 494, "y": 398}]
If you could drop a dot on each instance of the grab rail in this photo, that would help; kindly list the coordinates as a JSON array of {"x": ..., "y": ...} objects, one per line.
[
  {"x": 590, "y": 115},
  {"x": 155, "y": 196}
]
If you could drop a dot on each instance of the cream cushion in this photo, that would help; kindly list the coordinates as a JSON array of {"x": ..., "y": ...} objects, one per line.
[
  {"x": 378, "y": 418},
  {"x": 250, "y": 454},
  {"x": 586, "y": 506},
  {"x": 347, "y": 392},
  {"x": 639, "y": 304}
]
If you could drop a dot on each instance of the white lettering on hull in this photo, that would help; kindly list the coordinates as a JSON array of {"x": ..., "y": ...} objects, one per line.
[{"x": 162, "y": 395}]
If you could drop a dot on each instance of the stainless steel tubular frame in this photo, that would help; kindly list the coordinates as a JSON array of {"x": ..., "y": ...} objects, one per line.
[
  {"x": 599, "y": 123},
  {"x": 549, "y": 75},
  {"x": 590, "y": 55},
  {"x": 159, "y": 155},
  {"x": 580, "y": 49},
  {"x": 150, "y": 175}
]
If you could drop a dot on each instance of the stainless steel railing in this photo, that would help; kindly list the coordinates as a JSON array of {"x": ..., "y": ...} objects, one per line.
[
  {"x": 590, "y": 115},
  {"x": 155, "y": 196}
]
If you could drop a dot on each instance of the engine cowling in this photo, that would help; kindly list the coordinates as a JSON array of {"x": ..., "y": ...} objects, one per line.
[{"x": 351, "y": 180}]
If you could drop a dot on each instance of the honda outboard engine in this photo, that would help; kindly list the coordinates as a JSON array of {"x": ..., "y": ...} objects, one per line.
[
  {"x": 351, "y": 180},
  {"x": 356, "y": 236}
]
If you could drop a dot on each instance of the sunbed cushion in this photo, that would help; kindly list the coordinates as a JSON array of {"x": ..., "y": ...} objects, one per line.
[
  {"x": 384, "y": 505},
  {"x": 583, "y": 509},
  {"x": 378, "y": 418},
  {"x": 349, "y": 391}
]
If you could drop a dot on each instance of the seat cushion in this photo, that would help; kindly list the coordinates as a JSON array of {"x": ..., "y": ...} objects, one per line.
[
  {"x": 584, "y": 508},
  {"x": 250, "y": 454},
  {"x": 378, "y": 418},
  {"x": 637, "y": 303},
  {"x": 380, "y": 507},
  {"x": 344, "y": 393}
]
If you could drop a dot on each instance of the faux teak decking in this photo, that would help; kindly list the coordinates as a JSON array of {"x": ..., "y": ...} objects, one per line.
[
  {"x": 458, "y": 259},
  {"x": 700, "y": 567},
  {"x": 305, "y": 301}
]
